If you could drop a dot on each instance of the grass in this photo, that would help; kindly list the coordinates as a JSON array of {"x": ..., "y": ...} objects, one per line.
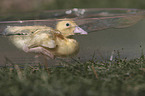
[{"x": 120, "y": 77}]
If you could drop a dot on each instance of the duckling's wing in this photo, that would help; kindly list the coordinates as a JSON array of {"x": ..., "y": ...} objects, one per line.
[
  {"x": 33, "y": 36},
  {"x": 43, "y": 37}
]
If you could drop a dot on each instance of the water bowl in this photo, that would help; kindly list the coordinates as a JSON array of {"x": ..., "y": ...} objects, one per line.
[{"x": 112, "y": 33}]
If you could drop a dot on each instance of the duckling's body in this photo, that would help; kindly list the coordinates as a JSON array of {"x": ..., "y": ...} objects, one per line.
[{"x": 45, "y": 40}]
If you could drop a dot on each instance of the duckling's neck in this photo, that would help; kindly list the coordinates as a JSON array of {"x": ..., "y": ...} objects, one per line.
[
  {"x": 67, "y": 46},
  {"x": 63, "y": 37}
]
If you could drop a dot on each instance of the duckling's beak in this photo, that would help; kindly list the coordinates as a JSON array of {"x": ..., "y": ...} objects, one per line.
[{"x": 80, "y": 30}]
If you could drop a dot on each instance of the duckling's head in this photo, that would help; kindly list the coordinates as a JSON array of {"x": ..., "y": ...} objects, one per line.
[{"x": 69, "y": 27}]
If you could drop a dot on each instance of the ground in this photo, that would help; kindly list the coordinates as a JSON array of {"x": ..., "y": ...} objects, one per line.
[{"x": 121, "y": 77}]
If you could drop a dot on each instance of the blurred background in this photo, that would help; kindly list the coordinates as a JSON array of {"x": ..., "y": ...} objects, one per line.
[{"x": 17, "y": 6}]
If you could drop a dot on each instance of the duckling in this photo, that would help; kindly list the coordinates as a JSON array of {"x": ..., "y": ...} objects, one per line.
[{"x": 46, "y": 40}]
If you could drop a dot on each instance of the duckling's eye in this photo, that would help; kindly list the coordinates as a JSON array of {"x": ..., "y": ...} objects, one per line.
[
  {"x": 32, "y": 32},
  {"x": 67, "y": 24}
]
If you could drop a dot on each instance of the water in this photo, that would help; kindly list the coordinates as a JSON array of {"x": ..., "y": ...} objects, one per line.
[
  {"x": 130, "y": 42},
  {"x": 123, "y": 36}
]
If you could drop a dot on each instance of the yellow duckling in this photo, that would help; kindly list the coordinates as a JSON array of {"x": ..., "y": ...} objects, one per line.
[{"x": 46, "y": 40}]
